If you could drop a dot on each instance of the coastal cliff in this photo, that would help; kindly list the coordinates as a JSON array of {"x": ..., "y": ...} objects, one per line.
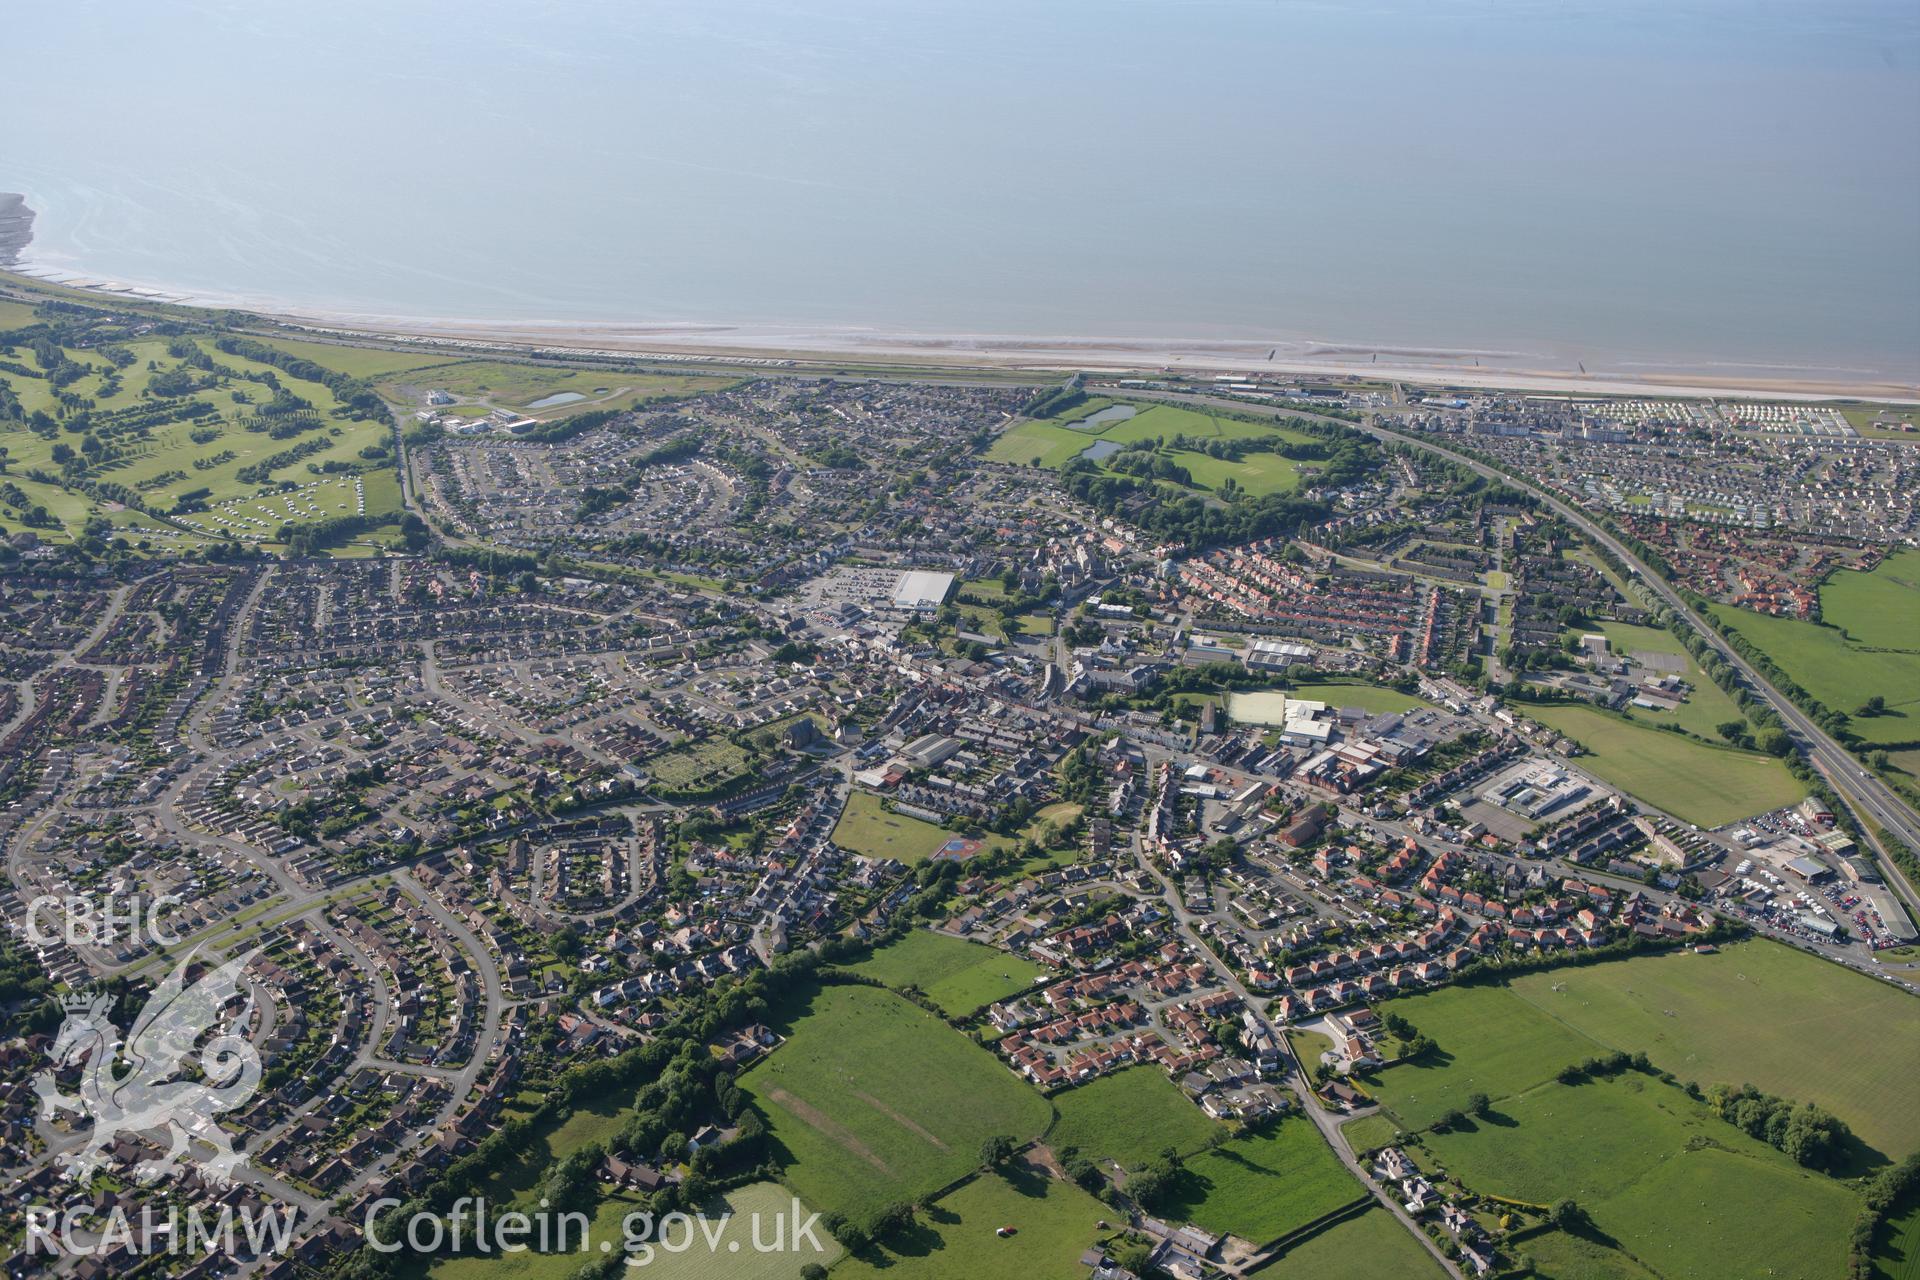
[{"x": 16, "y": 227}]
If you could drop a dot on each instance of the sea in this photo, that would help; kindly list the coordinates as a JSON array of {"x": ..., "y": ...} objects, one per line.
[{"x": 1690, "y": 185}]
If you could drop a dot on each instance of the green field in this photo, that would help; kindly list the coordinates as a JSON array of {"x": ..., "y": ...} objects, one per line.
[
  {"x": 1039, "y": 443},
  {"x": 1261, "y": 1187},
  {"x": 1896, "y": 1252},
  {"x": 1709, "y": 786},
  {"x": 867, "y": 827},
  {"x": 1053, "y": 1222},
  {"x": 509, "y": 385},
  {"x": 730, "y": 1256},
  {"x": 873, "y": 1099},
  {"x": 1880, "y": 608},
  {"x": 957, "y": 975},
  {"x": 1369, "y": 1133},
  {"x": 1561, "y": 1255},
  {"x": 1371, "y": 697},
  {"x": 1130, "y": 1117},
  {"x": 1758, "y": 1013},
  {"x": 1672, "y": 1184},
  {"x": 1371, "y": 1245},
  {"x": 1488, "y": 1040},
  {"x": 359, "y": 362},
  {"x": 1053, "y": 444},
  {"x": 1258, "y": 473},
  {"x": 1877, "y": 653}
]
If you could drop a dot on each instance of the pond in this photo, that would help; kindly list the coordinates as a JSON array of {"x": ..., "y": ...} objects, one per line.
[
  {"x": 1100, "y": 449},
  {"x": 558, "y": 397},
  {"x": 1105, "y": 418}
]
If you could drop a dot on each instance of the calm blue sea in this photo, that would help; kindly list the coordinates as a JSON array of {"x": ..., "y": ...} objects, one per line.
[{"x": 1695, "y": 182}]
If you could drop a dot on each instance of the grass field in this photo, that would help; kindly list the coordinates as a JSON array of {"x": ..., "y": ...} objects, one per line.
[
  {"x": 1054, "y": 443},
  {"x": 1896, "y": 1253},
  {"x": 1561, "y": 1255},
  {"x": 873, "y": 1099},
  {"x": 509, "y": 385},
  {"x": 730, "y": 1256},
  {"x": 359, "y": 362},
  {"x": 1369, "y": 1133},
  {"x": 1706, "y": 785},
  {"x": 1053, "y": 1223},
  {"x": 1672, "y": 1184},
  {"x": 867, "y": 827},
  {"x": 1371, "y": 1245},
  {"x": 1258, "y": 473},
  {"x": 1261, "y": 1187},
  {"x": 1130, "y": 1117},
  {"x": 1843, "y": 668},
  {"x": 1040, "y": 443},
  {"x": 1758, "y": 1013},
  {"x": 1372, "y": 697},
  {"x": 1880, "y": 608},
  {"x": 957, "y": 975},
  {"x": 1489, "y": 1041}
]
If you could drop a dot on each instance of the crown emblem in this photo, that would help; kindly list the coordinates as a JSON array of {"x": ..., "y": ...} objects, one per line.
[{"x": 80, "y": 1001}]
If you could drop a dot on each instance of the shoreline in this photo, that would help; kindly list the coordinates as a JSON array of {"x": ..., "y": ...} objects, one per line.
[{"x": 802, "y": 345}]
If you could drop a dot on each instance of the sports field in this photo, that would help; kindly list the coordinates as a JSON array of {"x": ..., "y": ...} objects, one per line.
[
  {"x": 1759, "y": 1013},
  {"x": 1130, "y": 1116},
  {"x": 1370, "y": 697},
  {"x": 1706, "y": 785},
  {"x": 873, "y": 1099},
  {"x": 957, "y": 1239},
  {"x": 1868, "y": 645},
  {"x": 1673, "y": 1184},
  {"x": 1261, "y": 1187},
  {"x": 957, "y": 975},
  {"x": 868, "y": 827},
  {"x": 1488, "y": 1041},
  {"x": 1371, "y": 1245}
]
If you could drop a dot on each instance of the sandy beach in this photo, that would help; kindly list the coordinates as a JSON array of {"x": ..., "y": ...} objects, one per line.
[{"x": 1145, "y": 357}]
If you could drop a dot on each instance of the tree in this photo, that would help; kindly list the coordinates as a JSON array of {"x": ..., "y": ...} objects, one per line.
[
  {"x": 996, "y": 1151},
  {"x": 1479, "y": 1104},
  {"x": 1876, "y": 705},
  {"x": 1567, "y": 1215},
  {"x": 813, "y": 1271}
]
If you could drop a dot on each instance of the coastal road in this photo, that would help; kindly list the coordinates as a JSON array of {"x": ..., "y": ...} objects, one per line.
[{"x": 1855, "y": 785}]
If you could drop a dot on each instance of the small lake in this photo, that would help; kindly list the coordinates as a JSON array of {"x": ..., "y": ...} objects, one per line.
[
  {"x": 1101, "y": 449},
  {"x": 558, "y": 397},
  {"x": 1105, "y": 418}
]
